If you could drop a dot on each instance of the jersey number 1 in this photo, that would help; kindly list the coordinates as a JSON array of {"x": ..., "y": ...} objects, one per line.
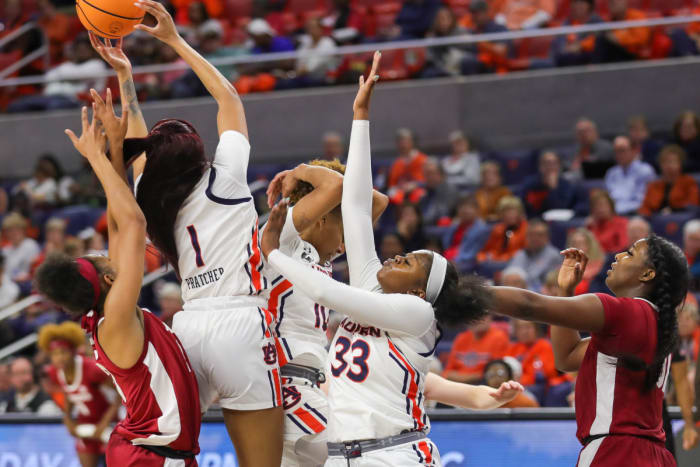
[
  {"x": 195, "y": 244},
  {"x": 342, "y": 346}
]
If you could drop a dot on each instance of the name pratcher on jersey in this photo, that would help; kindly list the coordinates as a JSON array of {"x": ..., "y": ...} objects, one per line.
[{"x": 205, "y": 278}]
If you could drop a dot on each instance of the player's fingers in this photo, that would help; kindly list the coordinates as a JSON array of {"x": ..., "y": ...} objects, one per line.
[
  {"x": 120, "y": 42},
  {"x": 144, "y": 28},
  {"x": 362, "y": 80},
  {"x": 72, "y": 137},
  {"x": 375, "y": 64},
  {"x": 110, "y": 106},
  {"x": 125, "y": 120},
  {"x": 96, "y": 99},
  {"x": 84, "y": 118}
]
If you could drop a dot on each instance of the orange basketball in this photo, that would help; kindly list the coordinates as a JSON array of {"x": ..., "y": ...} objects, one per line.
[{"x": 109, "y": 18}]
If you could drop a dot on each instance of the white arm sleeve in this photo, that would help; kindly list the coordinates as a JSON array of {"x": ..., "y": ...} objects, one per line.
[
  {"x": 356, "y": 206},
  {"x": 231, "y": 162},
  {"x": 390, "y": 312}
]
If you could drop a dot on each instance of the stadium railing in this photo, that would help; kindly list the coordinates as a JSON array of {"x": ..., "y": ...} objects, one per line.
[
  {"x": 384, "y": 46},
  {"x": 41, "y": 52},
  {"x": 25, "y": 303}
]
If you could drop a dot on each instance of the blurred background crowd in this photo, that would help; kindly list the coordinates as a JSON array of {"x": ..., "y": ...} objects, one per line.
[{"x": 502, "y": 214}]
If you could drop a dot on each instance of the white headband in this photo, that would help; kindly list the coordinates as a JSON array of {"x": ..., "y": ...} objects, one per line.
[{"x": 436, "y": 278}]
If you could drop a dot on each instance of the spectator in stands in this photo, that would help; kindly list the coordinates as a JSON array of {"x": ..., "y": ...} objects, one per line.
[
  {"x": 524, "y": 14},
  {"x": 539, "y": 374},
  {"x": 9, "y": 291},
  {"x": 462, "y": 165},
  {"x": 691, "y": 248},
  {"x": 4, "y": 202},
  {"x": 62, "y": 89},
  {"x": 409, "y": 226},
  {"x": 646, "y": 148},
  {"x": 58, "y": 27},
  {"x": 20, "y": 251},
  {"x": 491, "y": 191},
  {"x": 609, "y": 228},
  {"x": 444, "y": 60},
  {"x": 548, "y": 189},
  {"x": 538, "y": 257},
  {"x": 391, "y": 246},
  {"x": 627, "y": 181},
  {"x": 497, "y": 372},
  {"x": 87, "y": 188},
  {"x": 686, "y": 133},
  {"x": 686, "y": 40},
  {"x": 4, "y": 378},
  {"x": 406, "y": 173},
  {"x": 42, "y": 188},
  {"x": 508, "y": 236},
  {"x": 637, "y": 229},
  {"x": 473, "y": 349},
  {"x": 313, "y": 65},
  {"x": 266, "y": 40},
  {"x": 55, "y": 240},
  {"x": 485, "y": 57},
  {"x": 689, "y": 332},
  {"x": 590, "y": 149},
  {"x": 440, "y": 197},
  {"x": 414, "y": 19},
  {"x": 344, "y": 15},
  {"x": 190, "y": 11},
  {"x": 26, "y": 395},
  {"x": 622, "y": 44},
  {"x": 576, "y": 49},
  {"x": 34, "y": 317},
  {"x": 169, "y": 297},
  {"x": 332, "y": 146},
  {"x": 514, "y": 276},
  {"x": 674, "y": 191},
  {"x": 466, "y": 236},
  {"x": 584, "y": 240}
]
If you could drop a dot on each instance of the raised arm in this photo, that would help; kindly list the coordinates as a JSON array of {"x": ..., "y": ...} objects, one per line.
[
  {"x": 356, "y": 205},
  {"x": 121, "y": 334},
  {"x": 581, "y": 313},
  {"x": 469, "y": 396},
  {"x": 231, "y": 114},
  {"x": 684, "y": 397},
  {"x": 117, "y": 59},
  {"x": 391, "y": 312}
]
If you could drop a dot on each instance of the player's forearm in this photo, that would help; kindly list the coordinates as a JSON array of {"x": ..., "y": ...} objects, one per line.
[
  {"x": 110, "y": 414},
  {"x": 120, "y": 200},
  {"x": 684, "y": 395},
  {"x": 564, "y": 343},
  {"x": 137, "y": 124},
  {"x": 456, "y": 394},
  {"x": 320, "y": 177},
  {"x": 217, "y": 85},
  {"x": 379, "y": 203}
]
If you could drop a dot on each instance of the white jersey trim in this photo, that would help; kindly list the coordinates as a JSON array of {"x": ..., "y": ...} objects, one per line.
[
  {"x": 588, "y": 453},
  {"x": 78, "y": 377},
  {"x": 606, "y": 370}
]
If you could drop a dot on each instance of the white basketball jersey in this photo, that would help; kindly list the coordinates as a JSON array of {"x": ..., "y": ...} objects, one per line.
[
  {"x": 376, "y": 383},
  {"x": 300, "y": 324},
  {"x": 216, "y": 231}
]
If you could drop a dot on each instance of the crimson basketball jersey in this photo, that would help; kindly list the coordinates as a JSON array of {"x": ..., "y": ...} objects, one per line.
[
  {"x": 159, "y": 390},
  {"x": 611, "y": 399},
  {"x": 86, "y": 393}
]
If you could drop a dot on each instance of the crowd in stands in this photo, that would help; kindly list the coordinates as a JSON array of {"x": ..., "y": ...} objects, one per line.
[
  {"x": 504, "y": 216},
  {"x": 236, "y": 28}
]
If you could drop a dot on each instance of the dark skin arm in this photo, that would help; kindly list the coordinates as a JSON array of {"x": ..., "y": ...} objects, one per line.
[
  {"x": 109, "y": 414},
  {"x": 684, "y": 396}
]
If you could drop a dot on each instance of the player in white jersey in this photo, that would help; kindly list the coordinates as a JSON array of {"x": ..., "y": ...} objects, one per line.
[
  {"x": 201, "y": 217},
  {"x": 379, "y": 362},
  {"x": 312, "y": 235}
]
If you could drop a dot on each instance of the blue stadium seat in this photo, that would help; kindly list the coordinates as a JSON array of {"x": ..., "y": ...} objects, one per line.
[
  {"x": 79, "y": 217},
  {"x": 671, "y": 225},
  {"x": 558, "y": 231},
  {"x": 516, "y": 165}
]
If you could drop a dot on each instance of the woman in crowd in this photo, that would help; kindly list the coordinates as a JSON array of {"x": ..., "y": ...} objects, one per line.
[
  {"x": 686, "y": 134},
  {"x": 674, "y": 190},
  {"x": 490, "y": 191},
  {"x": 508, "y": 236},
  {"x": 609, "y": 228}
]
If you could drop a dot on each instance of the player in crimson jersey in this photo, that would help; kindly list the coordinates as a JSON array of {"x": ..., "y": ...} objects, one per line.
[
  {"x": 90, "y": 399},
  {"x": 146, "y": 361},
  {"x": 623, "y": 367}
]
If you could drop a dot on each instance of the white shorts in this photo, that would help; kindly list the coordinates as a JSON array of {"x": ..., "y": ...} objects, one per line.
[
  {"x": 233, "y": 355},
  {"x": 423, "y": 452},
  {"x": 306, "y": 417}
]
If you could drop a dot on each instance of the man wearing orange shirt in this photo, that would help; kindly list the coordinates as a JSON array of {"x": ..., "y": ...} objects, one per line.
[
  {"x": 406, "y": 173},
  {"x": 622, "y": 44},
  {"x": 473, "y": 349},
  {"x": 524, "y": 14}
]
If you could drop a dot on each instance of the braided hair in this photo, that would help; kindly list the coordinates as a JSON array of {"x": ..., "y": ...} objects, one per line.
[{"x": 669, "y": 288}]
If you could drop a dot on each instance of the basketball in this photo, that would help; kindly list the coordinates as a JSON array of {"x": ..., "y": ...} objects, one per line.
[{"x": 109, "y": 18}]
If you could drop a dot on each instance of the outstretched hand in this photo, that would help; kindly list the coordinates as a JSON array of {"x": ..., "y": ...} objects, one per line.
[
  {"x": 507, "y": 392},
  {"x": 364, "y": 94},
  {"x": 115, "y": 127},
  {"x": 273, "y": 228},
  {"x": 165, "y": 29},
  {"x": 112, "y": 54},
  {"x": 274, "y": 189},
  {"x": 572, "y": 269},
  {"x": 91, "y": 143},
  {"x": 690, "y": 437}
]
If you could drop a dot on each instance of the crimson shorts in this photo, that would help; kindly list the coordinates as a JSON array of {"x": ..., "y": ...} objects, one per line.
[
  {"x": 90, "y": 446},
  {"x": 120, "y": 452},
  {"x": 622, "y": 450}
]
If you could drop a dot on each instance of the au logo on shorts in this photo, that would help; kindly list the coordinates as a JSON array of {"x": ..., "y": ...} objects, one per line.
[
  {"x": 269, "y": 354},
  {"x": 291, "y": 396}
]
